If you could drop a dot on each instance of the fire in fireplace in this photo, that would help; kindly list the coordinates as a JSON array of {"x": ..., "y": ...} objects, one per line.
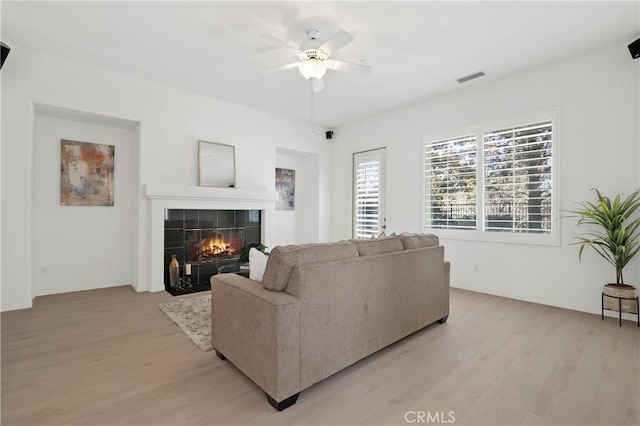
[{"x": 211, "y": 245}]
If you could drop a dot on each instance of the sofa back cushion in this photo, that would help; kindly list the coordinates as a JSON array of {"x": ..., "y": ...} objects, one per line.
[
  {"x": 378, "y": 246},
  {"x": 414, "y": 241},
  {"x": 283, "y": 258}
]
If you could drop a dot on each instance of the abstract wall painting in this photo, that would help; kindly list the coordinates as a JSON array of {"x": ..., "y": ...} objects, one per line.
[
  {"x": 86, "y": 173},
  {"x": 286, "y": 187}
]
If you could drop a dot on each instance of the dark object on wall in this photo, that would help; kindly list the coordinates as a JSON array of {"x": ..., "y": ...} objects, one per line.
[
  {"x": 471, "y": 76},
  {"x": 329, "y": 134},
  {"x": 634, "y": 49},
  {"x": 5, "y": 52}
]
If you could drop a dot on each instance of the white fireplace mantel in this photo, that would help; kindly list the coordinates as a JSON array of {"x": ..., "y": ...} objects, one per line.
[
  {"x": 202, "y": 193},
  {"x": 203, "y": 198}
]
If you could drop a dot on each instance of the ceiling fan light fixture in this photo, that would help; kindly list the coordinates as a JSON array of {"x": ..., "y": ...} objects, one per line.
[{"x": 313, "y": 68}]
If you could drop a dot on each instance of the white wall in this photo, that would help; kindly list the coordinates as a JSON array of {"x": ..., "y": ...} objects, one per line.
[
  {"x": 171, "y": 122},
  {"x": 597, "y": 95},
  {"x": 308, "y": 224},
  {"x": 79, "y": 247}
]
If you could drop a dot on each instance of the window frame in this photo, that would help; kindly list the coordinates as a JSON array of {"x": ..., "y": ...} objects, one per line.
[
  {"x": 479, "y": 233},
  {"x": 371, "y": 154}
]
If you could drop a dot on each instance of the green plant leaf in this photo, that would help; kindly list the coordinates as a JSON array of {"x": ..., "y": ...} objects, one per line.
[{"x": 613, "y": 228}]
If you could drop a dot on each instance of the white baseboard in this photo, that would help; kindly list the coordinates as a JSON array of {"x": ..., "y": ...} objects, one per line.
[
  {"x": 544, "y": 301},
  {"x": 16, "y": 306},
  {"x": 141, "y": 288},
  {"x": 29, "y": 304},
  {"x": 83, "y": 288}
]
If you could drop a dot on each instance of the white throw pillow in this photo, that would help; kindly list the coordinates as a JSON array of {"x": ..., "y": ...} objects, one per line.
[{"x": 257, "y": 264}]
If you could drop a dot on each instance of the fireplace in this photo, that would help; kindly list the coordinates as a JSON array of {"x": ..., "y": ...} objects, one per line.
[
  {"x": 210, "y": 241},
  {"x": 163, "y": 197}
]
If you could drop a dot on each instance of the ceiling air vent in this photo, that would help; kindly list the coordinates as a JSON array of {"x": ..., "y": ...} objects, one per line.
[{"x": 471, "y": 77}]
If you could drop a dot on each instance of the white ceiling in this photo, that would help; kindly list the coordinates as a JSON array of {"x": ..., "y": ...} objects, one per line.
[{"x": 417, "y": 50}]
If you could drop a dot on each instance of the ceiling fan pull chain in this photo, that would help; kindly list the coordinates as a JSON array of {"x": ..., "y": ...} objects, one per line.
[{"x": 310, "y": 102}]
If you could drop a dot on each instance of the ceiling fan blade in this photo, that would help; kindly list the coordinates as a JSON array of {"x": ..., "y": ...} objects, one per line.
[
  {"x": 337, "y": 41},
  {"x": 317, "y": 84},
  {"x": 282, "y": 67},
  {"x": 279, "y": 42},
  {"x": 351, "y": 67}
]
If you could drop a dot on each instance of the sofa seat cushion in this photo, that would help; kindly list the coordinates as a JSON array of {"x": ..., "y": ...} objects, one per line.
[
  {"x": 378, "y": 246},
  {"x": 414, "y": 241},
  {"x": 282, "y": 259}
]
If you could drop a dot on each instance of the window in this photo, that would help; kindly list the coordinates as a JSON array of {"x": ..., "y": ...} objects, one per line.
[
  {"x": 494, "y": 182},
  {"x": 368, "y": 193},
  {"x": 517, "y": 179},
  {"x": 451, "y": 183}
]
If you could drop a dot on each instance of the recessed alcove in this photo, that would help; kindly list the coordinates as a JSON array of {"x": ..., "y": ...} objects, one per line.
[
  {"x": 300, "y": 225},
  {"x": 82, "y": 247}
]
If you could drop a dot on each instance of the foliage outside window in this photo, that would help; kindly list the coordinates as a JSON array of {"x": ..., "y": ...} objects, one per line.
[
  {"x": 452, "y": 183},
  {"x": 494, "y": 182}
]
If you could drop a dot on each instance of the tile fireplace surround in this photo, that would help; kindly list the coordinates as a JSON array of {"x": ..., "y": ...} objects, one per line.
[
  {"x": 210, "y": 241},
  {"x": 164, "y": 197}
]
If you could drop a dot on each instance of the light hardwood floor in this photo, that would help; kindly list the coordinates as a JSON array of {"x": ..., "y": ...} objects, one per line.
[{"x": 111, "y": 357}]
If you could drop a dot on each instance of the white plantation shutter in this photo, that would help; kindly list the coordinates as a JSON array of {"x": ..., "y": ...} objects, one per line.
[
  {"x": 450, "y": 183},
  {"x": 518, "y": 178},
  {"x": 494, "y": 181},
  {"x": 368, "y": 197}
]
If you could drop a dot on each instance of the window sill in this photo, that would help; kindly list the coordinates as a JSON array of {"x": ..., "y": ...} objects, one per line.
[{"x": 552, "y": 239}]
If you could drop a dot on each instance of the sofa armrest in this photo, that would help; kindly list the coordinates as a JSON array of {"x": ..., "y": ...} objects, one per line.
[{"x": 258, "y": 330}]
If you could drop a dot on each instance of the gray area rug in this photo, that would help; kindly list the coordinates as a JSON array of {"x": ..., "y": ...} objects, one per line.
[{"x": 193, "y": 316}]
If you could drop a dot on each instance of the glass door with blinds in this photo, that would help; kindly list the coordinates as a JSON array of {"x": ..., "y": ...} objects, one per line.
[{"x": 369, "y": 193}]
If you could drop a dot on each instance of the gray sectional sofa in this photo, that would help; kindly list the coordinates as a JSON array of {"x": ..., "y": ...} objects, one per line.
[{"x": 322, "y": 307}]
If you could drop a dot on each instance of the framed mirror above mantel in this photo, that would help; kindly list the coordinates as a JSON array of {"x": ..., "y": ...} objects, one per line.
[{"x": 216, "y": 164}]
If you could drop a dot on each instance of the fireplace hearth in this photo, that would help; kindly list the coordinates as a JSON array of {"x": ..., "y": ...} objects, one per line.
[{"x": 210, "y": 241}]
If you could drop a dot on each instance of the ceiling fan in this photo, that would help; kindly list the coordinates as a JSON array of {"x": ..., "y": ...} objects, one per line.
[{"x": 315, "y": 58}]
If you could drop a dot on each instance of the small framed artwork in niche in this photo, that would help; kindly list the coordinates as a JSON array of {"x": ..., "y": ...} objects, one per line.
[
  {"x": 286, "y": 187},
  {"x": 86, "y": 173},
  {"x": 216, "y": 164}
]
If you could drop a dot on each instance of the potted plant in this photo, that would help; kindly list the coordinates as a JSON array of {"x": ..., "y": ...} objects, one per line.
[
  {"x": 244, "y": 256},
  {"x": 614, "y": 234}
]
